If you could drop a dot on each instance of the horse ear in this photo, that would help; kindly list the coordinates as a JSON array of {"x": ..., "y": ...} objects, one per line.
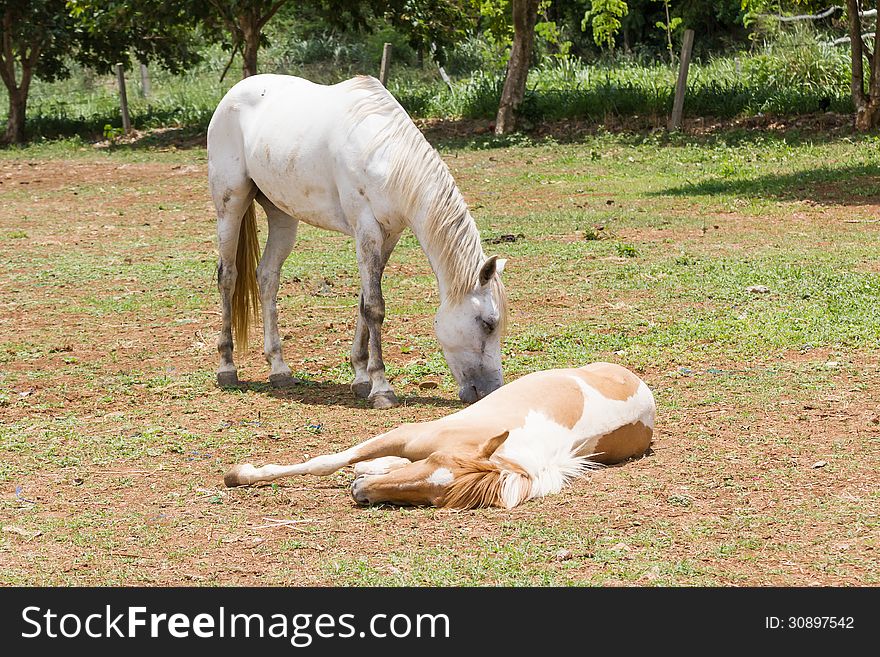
[
  {"x": 488, "y": 448},
  {"x": 489, "y": 269}
]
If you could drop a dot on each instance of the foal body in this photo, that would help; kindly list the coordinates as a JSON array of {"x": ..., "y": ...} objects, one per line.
[{"x": 527, "y": 439}]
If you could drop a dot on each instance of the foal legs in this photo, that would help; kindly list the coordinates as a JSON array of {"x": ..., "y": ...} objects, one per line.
[
  {"x": 380, "y": 477},
  {"x": 399, "y": 445},
  {"x": 279, "y": 244},
  {"x": 366, "y": 351}
]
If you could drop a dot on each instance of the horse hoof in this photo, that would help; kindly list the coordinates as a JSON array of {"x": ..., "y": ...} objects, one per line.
[
  {"x": 362, "y": 389},
  {"x": 228, "y": 379},
  {"x": 357, "y": 490},
  {"x": 239, "y": 475},
  {"x": 384, "y": 400},
  {"x": 283, "y": 380}
]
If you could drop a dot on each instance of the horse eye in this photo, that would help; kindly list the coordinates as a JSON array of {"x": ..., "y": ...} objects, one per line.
[{"x": 488, "y": 326}]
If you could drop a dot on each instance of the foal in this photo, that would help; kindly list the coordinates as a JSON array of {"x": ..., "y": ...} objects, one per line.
[{"x": 527, "y": 439}]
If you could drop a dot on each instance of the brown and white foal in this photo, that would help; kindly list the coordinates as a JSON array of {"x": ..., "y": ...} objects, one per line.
[{"x": 527, "y": 439}]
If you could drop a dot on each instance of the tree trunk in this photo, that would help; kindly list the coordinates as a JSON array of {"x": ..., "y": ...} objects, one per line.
[
  {"x": 868, "y": 116},
  {"x": 250, "y": 25},
  {"x": 15, "y": 121},
  {"x": 16, "y": 91},
  {"x": 525, "y": 15},
  {"x": 867, "y": 104},
  {"x": 250, "y": 30},
  {"x": 18, "y": 95}
]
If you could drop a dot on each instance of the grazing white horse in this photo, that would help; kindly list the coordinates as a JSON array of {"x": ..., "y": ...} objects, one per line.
[
  {"x": 527, "y": 439},
  {"x": 345, "y": 157}
]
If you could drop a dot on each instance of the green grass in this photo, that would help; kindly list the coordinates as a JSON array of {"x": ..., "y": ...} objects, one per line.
[
  {"x": 635, "y": 248},
  {"x": 525, "y": 553}
]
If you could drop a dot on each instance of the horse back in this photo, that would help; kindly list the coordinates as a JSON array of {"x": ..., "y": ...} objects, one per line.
[{"x": 304, "y": 146}]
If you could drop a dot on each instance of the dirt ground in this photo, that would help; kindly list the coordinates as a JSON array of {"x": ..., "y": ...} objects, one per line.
[{"x": 116, "y": 437}]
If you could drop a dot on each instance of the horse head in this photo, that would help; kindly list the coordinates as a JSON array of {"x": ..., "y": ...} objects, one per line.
[{"x": 469, "y": 331}]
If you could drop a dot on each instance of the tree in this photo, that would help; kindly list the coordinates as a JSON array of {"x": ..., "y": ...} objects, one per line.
[
  {"x": 36, "y": 36},
  {"x": 525, "y": 16},
  {"x": 867, "y": 103},
  {"x": 668, "y": 26},
  {"x": 430, "y": 25},
  {"x": 40, "y": 36},
  {"x": 605, "y": 18},
  {"x": 243, "y": 21},
  {"x": 113, "y": 31}
]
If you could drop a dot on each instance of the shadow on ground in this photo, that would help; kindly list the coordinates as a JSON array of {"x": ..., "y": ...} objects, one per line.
[
  {"x": 816, "y": 128},
  {"x": 844, "y": 185},
  {"x": 326, "y": 393},
  {"x": 478, "y": 133},
  {"x": 160, "y": 139}
]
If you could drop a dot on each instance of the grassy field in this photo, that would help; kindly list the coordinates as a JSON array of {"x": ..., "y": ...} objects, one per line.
[{"x": 641, "y": 249}]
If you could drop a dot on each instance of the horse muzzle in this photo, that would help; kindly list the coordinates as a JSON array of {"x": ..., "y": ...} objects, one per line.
[{"x": 473, "y": 393}]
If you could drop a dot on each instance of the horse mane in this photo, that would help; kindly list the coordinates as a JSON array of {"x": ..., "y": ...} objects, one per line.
[
  {"x": 416, "y": 168},
  {"x": 480, "y": 482}
]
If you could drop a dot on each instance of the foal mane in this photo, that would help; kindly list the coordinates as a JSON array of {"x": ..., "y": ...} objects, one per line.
[
  {"x": 420, "y": 178},
  {"x": 480, "y": 482}
]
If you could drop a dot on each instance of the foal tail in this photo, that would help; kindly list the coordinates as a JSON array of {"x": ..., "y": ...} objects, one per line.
[{"x": 245, "y": 296}]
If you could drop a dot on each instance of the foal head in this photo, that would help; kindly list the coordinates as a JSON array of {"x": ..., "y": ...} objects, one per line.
[
  {"x": 469, "y": 332},
  {"x": 457, "y": 478}
]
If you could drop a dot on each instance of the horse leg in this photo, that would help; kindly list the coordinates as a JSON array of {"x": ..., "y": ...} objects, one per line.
[
  {"x": 402, "y": 442},
  {"x": 381, "y": 465},
  {"x": 386, "y": 477},
  {"x": 279, "y": 244},
  {"x": 360, "y": 355},
  {"x": 231, "y": 202},
  {"x": 372, "y": 255},
  {"x": 360, "y": 349}
]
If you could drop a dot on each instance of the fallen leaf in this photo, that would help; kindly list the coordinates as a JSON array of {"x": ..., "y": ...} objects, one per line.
[{"x": 820, "y": 464}]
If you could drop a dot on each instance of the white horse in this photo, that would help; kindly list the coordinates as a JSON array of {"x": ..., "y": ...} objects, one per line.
[
  {"x": 345, "y": 157},
  {"x": 527, "y": 439}
]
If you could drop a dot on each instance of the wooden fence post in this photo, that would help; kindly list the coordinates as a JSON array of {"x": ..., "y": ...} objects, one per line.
[
  {"x": 386, "y": 64},
  {"x": 681, "y": 85},
  {"x": 440, "y": 68},
  {"x": 123, "y": 99},
  {"x": 145, "y": 81}
]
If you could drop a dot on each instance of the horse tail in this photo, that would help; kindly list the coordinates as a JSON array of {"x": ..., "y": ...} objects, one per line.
[{"x": 246, "y": 297}]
